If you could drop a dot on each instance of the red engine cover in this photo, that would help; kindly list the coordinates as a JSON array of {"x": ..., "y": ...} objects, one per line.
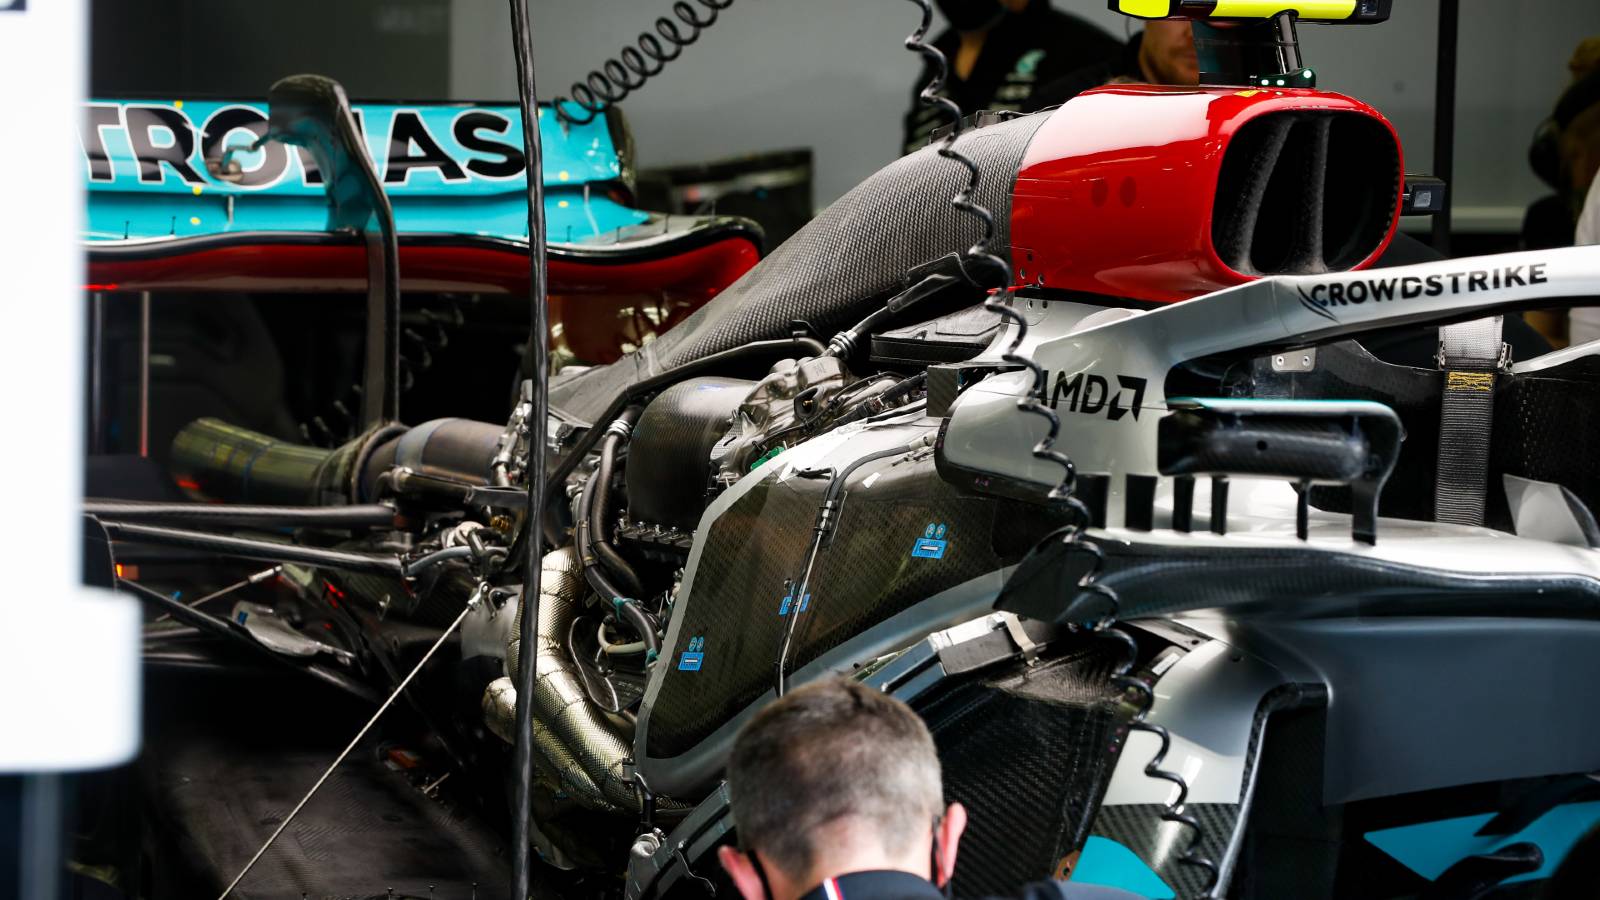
[{"x": 1119, "y": 189}]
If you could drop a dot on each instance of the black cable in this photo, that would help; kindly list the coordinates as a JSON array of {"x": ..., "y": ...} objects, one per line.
[
  {"x": 600, "y": 511},
  {"x": 981, "y": 260},
  {"x": 248, "y": 548},
  {"x": 1444, "y": 115},
  {"x": 828, "y": 513},
  {"x": 583, "y": 537},
  {"x": 628, "y": 71},
  {"x": 371, "y": 515},
  {"x": 843, "y": 344},
  {"x": 532, "y": 525}
]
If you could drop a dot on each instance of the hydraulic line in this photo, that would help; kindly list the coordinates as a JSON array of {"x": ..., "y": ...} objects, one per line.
[
  {"x": 827, "y": 519},
  {"x": 627, "y": 608},
  {"x": 399, "y": 689},
  {"x": 428, "y": 561},
  {"x": 256, "y": 578},
  {"x": 1138, "y": 695},
  {"x": 629, "y": 611},
  {"x": 532, "y": 531},
  {"x": 599, "y": 512},
  {"x": 596, "y": 576},
  {"x": 369, "y": 515}
]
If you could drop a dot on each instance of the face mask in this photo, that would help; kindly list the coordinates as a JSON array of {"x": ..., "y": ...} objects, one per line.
[{"x": 971, "y": 15}]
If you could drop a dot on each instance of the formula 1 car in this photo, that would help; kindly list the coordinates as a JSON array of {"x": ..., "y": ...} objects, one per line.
[{"x": 1091, "y": 466}]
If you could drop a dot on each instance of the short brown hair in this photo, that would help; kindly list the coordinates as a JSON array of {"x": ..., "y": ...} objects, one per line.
[{"x": 834, "y": 749}]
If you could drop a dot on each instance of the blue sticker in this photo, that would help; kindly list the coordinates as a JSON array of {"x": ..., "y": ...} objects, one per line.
[
  {"x": 928, "y": 532},
  {"x": 694, "y": 655},
  {"x": 783, "y": 608},
  {"x": 927, "y": 548},
  {"x": 242, "y": 616},
  {"x": 939, "y": 532}
]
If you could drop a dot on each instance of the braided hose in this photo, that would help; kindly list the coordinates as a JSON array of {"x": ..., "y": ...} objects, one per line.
[{"x": 981, "y": 265}]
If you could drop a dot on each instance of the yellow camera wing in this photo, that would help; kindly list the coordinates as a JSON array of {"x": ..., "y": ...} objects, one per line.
[{"x": 1339, "y": 12}]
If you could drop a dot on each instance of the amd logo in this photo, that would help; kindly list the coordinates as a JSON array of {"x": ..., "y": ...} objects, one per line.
[{"x": 1092, "y": 394}]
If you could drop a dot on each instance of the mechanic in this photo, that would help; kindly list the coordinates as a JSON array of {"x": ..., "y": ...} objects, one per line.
[
  {"x": 1565, "y": 154},
  {"x": 999, "y": 51},
  {"x": 837, "y": 795},
  {"x": 1163, "y": 53}
]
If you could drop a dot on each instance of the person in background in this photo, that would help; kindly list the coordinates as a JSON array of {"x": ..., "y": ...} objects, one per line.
[
  {"x": 999, "y": 51},
  {"x": 1163, "y": 53},
  {"x": 1566, "y": 155},
  {"x": 837, "y": 795},
  {"x": 1584, "y": 322}
]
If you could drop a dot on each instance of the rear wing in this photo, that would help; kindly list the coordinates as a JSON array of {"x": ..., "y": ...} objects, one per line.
[{"x": 160, "y": 169}]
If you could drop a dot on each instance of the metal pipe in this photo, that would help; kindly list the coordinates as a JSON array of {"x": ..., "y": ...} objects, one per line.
[
  {"x": 97, "y": 349},
  {"x": 41, "y": 834},
  {"x": 1444, "y": 117},
  {"x": 144, "y": 373},
  {"x": 246, "y": 548},
  {"x": 370, "y": 515}
]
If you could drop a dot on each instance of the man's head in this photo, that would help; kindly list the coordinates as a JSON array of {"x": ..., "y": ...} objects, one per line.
[
  {"x": 833, "y": 778},
  {"x": 1166, "y": 52}
]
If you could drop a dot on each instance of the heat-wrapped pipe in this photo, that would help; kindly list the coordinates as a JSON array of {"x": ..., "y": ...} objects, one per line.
[{"x": 584, "y": 747}]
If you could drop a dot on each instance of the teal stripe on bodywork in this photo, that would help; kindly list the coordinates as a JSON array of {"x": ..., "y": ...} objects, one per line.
[
  {"x": 1110, "y": 864},
  {"x": 1429, "y": 848}
]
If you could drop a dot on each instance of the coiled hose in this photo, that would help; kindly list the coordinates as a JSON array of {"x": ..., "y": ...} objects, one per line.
[
  {"x": 628, "y": 71},
  {"x": 979, "y": 261}
]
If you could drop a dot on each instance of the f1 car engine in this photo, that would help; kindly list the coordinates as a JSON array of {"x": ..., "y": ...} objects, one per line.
[{"x": 949, "y": 447}]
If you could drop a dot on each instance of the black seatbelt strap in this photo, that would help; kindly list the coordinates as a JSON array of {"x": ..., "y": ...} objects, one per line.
[{"x": 1471, "y": 355}]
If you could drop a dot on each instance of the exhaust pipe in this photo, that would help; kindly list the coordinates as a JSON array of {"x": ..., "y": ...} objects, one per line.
[{"x": 585, "y": 749}]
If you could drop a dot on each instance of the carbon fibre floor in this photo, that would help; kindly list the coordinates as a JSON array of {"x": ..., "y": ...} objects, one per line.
[{"x": 217, "y": 778}]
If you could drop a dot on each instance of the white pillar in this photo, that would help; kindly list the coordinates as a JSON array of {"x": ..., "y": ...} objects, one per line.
[{"x": 69, "y": 656}]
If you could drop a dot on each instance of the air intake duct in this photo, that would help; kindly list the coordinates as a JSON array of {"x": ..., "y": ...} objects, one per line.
[
  {"x": 226, "y": 462},
  {"x": 1305, "y": 193}
]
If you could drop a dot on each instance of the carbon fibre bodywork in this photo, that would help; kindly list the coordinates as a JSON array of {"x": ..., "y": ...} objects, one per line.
[{"x": 906, "y": 536}]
